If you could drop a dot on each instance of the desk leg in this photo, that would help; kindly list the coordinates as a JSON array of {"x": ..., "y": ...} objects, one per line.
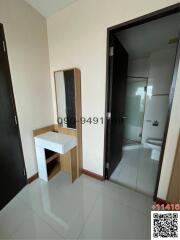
[
  {"x": 41, "y": 161},
  {"x": 73, "y": 164}
]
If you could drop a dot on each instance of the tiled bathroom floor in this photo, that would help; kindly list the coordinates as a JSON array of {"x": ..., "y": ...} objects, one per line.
[
  {"x": 86, "y": 209},
  {"x": 137, "y": 170}
]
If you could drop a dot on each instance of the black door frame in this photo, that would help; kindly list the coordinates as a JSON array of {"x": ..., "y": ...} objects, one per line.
[
  {"x": 12, "y": 97},
  {"x": 135, "y": 22}
]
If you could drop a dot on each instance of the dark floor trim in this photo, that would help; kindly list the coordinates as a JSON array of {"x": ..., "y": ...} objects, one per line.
[
  {"x": 160, "y": 201},
  {"x": 32, "y": 178},
  {"x": 93, "y": 175}
]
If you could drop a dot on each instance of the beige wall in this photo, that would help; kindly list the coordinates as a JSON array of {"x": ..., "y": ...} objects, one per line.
[
  {"x": 77, "y": 38},
  {"x": 26, "y": 37}
]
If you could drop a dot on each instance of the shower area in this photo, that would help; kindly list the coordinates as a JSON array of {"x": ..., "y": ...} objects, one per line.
[{"x": 135, "y": 107}]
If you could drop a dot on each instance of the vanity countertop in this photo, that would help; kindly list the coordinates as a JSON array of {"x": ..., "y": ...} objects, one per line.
[{"x": 57, "y": 142}]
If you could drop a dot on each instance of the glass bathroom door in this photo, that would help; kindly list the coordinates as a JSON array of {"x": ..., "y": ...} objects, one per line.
[{"x": 135, "y": 107}]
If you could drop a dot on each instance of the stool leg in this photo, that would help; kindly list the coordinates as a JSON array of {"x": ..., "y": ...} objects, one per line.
[{"x": 73, "y": 161}]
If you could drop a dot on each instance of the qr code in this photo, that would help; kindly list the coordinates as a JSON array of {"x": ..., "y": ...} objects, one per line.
[{"x": 165, "y": 225}]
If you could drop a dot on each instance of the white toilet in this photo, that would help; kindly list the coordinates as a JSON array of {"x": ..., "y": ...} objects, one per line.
[{"x": 155, "y": 145}]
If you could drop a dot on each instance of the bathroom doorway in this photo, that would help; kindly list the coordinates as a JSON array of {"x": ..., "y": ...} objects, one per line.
[{"x": 151, "y": 45}]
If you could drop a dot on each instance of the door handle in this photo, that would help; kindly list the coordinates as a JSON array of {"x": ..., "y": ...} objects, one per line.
[
  {"x": 124, "y": 117},
  {"x": 108, "y": 115}
]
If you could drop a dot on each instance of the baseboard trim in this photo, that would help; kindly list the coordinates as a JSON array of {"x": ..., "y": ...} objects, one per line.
[
  {"x": 83, "y": 171},
  {"x": 160, "y": 201},
  {"x": 32, "y": 178},
  {"x": 93, "y": 175}
]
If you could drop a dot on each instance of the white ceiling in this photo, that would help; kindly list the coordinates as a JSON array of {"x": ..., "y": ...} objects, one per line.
[
  {"x": 49, "y": 7},
  {"x": 141, "y": 40}
]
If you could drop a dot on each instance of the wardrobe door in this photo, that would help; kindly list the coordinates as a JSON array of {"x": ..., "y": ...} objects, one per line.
[{"x": 13, "y": 174}]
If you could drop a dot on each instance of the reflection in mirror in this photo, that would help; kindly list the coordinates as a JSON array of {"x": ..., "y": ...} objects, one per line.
[{"x": 65, "y": 98}]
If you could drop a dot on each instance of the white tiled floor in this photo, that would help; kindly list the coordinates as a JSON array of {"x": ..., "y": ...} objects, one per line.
[
  {"x": 86, "y": 209},
  {"x": 137, "y": 170}
]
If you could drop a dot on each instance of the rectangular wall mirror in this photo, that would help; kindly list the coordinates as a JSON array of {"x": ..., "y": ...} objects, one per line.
[{"x": 68, "y": 97}]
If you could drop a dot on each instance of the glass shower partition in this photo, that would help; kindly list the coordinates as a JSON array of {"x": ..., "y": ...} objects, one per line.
[{"x": 135, "y": 107}]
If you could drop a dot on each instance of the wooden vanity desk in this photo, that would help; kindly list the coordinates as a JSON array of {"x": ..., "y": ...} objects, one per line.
[
  {"x": 68, "y": 162},
  {"x": 68, "y": 102}
]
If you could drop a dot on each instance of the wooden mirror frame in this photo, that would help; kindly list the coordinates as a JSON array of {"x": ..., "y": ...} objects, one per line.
[{"x": 78, "y": 131}]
